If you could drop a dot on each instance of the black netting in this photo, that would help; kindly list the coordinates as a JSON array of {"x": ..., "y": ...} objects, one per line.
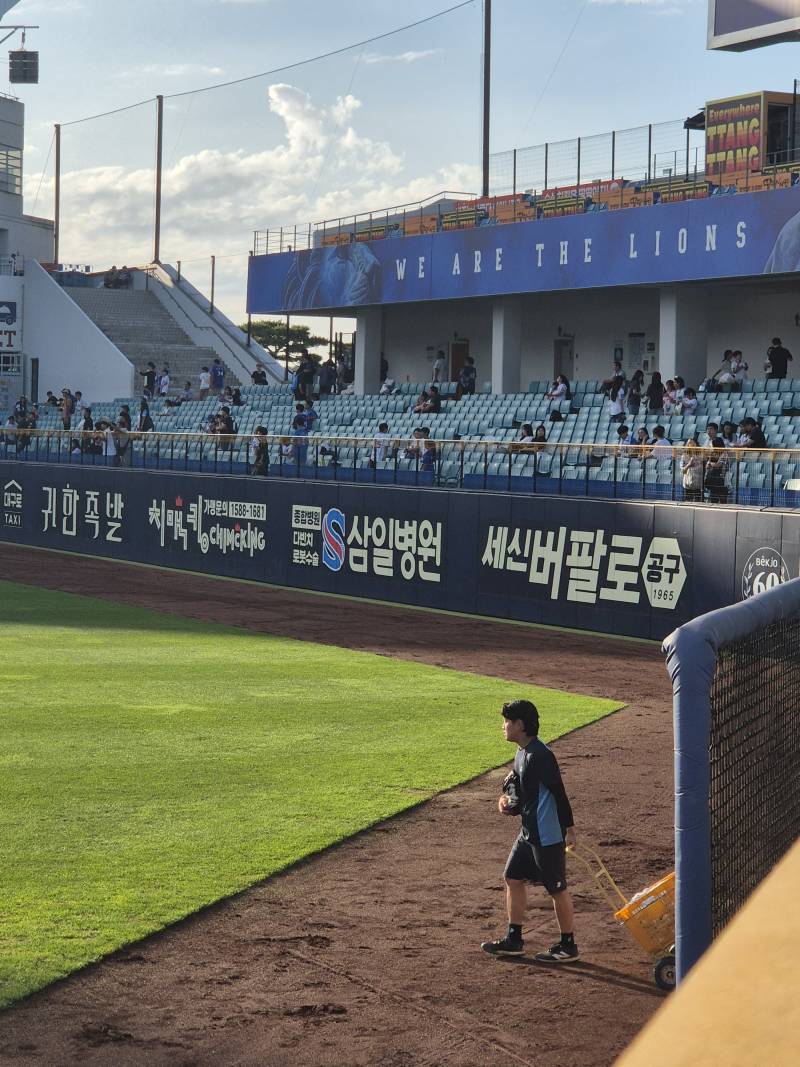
[{"x": 755, "y": 762}]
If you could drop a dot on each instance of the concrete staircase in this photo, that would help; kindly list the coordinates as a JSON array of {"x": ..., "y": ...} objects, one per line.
[{"x": 141, "y": 327}]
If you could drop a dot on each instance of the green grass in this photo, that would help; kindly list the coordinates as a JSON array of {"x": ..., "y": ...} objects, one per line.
[{"x": 151, "y": 765}]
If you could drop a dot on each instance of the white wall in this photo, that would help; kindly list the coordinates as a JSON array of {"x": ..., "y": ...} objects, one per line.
[
  {"x": 71, "y": 350},
  {"x": 413, "y": 335}
]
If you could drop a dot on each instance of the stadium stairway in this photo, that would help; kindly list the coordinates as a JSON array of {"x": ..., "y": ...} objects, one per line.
[{"x": 142, "y": 328}]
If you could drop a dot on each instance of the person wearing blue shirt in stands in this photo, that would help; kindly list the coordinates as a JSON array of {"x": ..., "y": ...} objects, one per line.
[
  {"x": 300, "y": 438},
  {"x": 310, "y": 415},
  {"x": 217, "y": 375}
]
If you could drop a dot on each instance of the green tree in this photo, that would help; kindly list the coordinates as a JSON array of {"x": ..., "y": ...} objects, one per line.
[{"x": 271, "y": 335}]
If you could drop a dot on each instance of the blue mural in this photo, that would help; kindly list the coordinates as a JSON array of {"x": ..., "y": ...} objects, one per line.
[{"x": 734, "y": 236}]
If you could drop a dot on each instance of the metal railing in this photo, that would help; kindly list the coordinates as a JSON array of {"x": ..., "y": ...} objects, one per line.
[{"x": 741, "y": 476}]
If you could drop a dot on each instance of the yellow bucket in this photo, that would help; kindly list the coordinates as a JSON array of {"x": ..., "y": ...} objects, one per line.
[{"x": 650, "y": 916}]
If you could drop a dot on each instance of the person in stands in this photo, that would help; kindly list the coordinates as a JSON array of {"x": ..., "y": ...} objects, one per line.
[
  {"x": 306, "y": 373},
  {"x": 259, "y": 375},
  {"x": 739, "y": 367},
  {"x": 149, "y": 375},
  {"x": 712, "y": 432},
  {"x": 163, "y": 382},
  {"x": 661, "y": 443},
  {"x": 110, "y": 278},
  {"x": 144, "y": 424},
  {"x": 692, "y": 472},
  {"x": 560, "y": 391},
  {"x": 616, "y": 372},
  {"x": 655, "y": 394},
  {"x": 328, "y": 376},
  {"x": 688, "y": 402},
  {"x": 204, "y": 379},
  {"x": 186, "y": 395},
  {"x": 633, "y": 394},
  {"x": 729, "y": 436},
  {"x": 467, "y": 376},
  {"x": 778, "y": 359},
  {"x": 438, "y": 367},
  {"x": 751, "y": 435},
  {"x": 259, "y": 452},
  {"x": 300, "y": 438},
  {"x": 670, "y": 401},
  {"x": 616, "y": 400},
  {"x": 217, "y": 376},
  {"x": 428, "y": 457},
  {"x": 715, "y": 473},
  {"x": 67, "y": 408},
  {"x": 421, "y": 404}
]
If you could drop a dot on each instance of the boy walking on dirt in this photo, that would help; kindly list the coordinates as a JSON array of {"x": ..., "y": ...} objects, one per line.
[{"x": 534, "y": 791}]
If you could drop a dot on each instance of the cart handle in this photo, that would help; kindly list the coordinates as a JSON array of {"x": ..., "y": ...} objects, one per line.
[{"x": 599, "y": 872}]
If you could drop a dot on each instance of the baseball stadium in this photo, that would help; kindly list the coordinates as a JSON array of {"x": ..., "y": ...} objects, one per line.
[{"x": 400, "y": 610}]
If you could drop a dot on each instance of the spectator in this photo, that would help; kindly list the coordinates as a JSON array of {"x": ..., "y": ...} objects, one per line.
[
  {"x": 625, "y": 436},
  {"x": 688, "y": 402},
  {"x": 779, "y": 359},
  {"x": 328, "y": 376},
  {"x": 633, "y": 394},
  {"x": 712, "y": 432},
  {"x": 105, "y": 437},
  {"x": 124, "y": 418},
  {"x": 380, "y": 445},
  {"x": 67, "y": 408},
  {"x": 670, "y": 400},
  {"x": 616, "y": 400},
  {"x": 428, "y": 457},
  {"x": 86, "y": 423},
  {"x": 236, "y": 397},
  {"x": 259, "y": 376},
  {"x": 738, "y": 367},
  {"x": 616, "y": 372},
  {"x": 724, "y": 376},
  {"x": 388, "y": 388},
  {"x": 560, "y": 391},
  {"x": 540, "y": 436},
  {"x": 217, "y": 375},
  {"x": 660, "y": 441},
  {"x": 163, "y": 382},
  {"x": 414, "y": 447},
  {"x": 110, "y": 278},
  {"x": 655, "y": 394},
  {"x": 729, "y": 436},
  {"x": 76, "y": 448},
  {"x": 288, "y": 453},
  {"x": 205, "y": 382},
  {"x": 438, "y": 367},
  {"x": 715, "y": 473},
  {"x": 642, "y": 436},
  {"x": 384, "y": 367},
  {"x": 420, "y": 404},
  {"x": 51, "y": 401},
  {"x": 467, "y": 376},
  {"x": 306, "y": 372},
  {"x": 144, "y": 424},
  {"x": 680, "y": 389},
  {"x": 526, "y": 434},
  {"x": 10, "y": 437},
  {"x": 227, "y": 396},
  {"x": 434, "y": 405},
  {"x": 186, "y": 395},
  {"x": 300, "y": 436},
  {"x": 692, "y": 472},
  {"x": 751, "y": 434},
  {"x": 149, "y": 375},
  {"x": 300, "y": 414},
  {"x": 310, "y": 415},
  {"x": 124, "y": 279},
  {"x": 259, "y": 452},
  {"x": 21, "y": 408}
]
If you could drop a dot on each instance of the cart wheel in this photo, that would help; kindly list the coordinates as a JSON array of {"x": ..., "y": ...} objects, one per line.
[{"x": 664, "y": 973}]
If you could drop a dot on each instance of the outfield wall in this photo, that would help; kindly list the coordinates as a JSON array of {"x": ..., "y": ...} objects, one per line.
[{"x": 637, "y": 569}]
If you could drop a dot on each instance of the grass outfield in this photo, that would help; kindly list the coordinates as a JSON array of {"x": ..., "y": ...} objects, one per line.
[{"x": 151, "y": 764}]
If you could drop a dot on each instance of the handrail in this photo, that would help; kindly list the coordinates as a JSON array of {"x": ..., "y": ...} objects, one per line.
[
  {"x": 151, "y": 272},
  {"x": 563, "y": 469}
]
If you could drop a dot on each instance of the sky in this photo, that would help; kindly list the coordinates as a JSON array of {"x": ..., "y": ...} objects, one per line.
[{"x": 387, "y": 123}]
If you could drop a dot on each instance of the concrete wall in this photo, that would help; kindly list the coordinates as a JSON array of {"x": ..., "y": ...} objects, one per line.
[
  {"x": 413, "y": 335},
  {"x": 189, "y": 307},
  {"x": 748, "y": 317},
  {"x": 71, "y": 350}
]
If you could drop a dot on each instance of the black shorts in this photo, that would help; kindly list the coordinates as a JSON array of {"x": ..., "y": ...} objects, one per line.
[{"x": 543, "y": 864}]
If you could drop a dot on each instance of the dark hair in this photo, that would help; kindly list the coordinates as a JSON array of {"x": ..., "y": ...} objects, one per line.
[
  {"x": 383, "y": 427},
  {"x": 529, "y": 427},
  {"x": 623, "y": 430},
  {"x": 776, "y": 340},
  {"x": 543, "y": 429},
  {"x": 659, "y": 431},
  {"x": 525, "y": 712},
  {"x": 656, "y": 377}
]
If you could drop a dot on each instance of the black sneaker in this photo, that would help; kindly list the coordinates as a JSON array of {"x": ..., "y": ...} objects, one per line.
[
  {"x": 504, "y": 947},
  {"x": 559, "y": 953}
]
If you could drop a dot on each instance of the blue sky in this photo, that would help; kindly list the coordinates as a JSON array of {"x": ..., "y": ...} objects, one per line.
[{"x": 394, "y": 121}]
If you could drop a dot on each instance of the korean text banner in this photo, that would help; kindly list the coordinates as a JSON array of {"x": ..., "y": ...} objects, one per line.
[
  {"x": 613, "y": 567},
  {"x": 725, "y": 236}
]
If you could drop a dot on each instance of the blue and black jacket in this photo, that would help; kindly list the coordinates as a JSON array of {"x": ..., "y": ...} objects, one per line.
[{"x": 543, "y": 804}]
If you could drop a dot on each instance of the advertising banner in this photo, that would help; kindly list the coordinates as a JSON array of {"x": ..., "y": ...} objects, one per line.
[
  {"x": 619, "y": 568},
  {"x": 726, "y": 236},
  {"x": 735, "y": 131}
]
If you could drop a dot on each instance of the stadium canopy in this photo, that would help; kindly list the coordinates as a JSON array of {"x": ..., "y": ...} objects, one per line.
[{"x": 739, "y": 25}]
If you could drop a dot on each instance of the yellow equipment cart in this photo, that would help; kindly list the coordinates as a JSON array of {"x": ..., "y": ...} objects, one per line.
[{"x": 649, "y": 916}]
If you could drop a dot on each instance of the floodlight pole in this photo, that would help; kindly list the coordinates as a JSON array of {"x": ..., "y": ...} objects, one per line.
[
  {"x": 57, "y": 206},
  {"x": 487, "y": 90},
  {"x": 159, "y": 173}
]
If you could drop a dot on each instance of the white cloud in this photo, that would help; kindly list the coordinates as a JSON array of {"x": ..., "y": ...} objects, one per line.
[
  {"x": 32, "y": 8},
  {"x": 403, "y": 57},
  {"x": 323, "y": 168},
  {"x": 170, "y": 70}
]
